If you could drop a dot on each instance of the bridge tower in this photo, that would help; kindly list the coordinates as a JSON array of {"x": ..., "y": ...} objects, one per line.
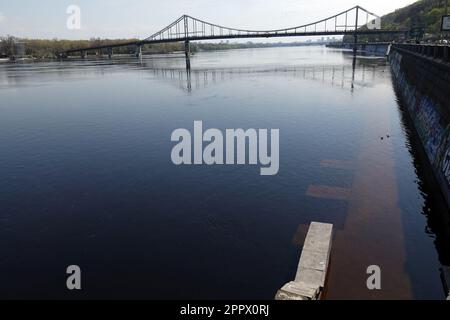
[
  {"x": 355, "y": 35},
  {"x": 187, "y": 45},
  {"x": 187, "y": 52}
]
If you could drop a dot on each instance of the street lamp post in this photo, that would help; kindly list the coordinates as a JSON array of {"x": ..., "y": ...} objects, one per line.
[
  {"x": 443, "y": 32},
  {"x": 446, "y": 13}
]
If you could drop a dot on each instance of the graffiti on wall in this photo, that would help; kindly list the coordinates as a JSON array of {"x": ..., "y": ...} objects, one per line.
[
  {"x": 443, "y": 160},
  {"x": 427, "y": 122}
]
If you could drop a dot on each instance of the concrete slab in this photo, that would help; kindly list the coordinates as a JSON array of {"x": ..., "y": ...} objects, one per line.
[
  {"x": 318, "y": 238},
  {"x": 296, "y": 291},
  {"x": 312, "y": 267},
  {"x": 310, "y": 277},
  {"x": 313, "y": 260}
]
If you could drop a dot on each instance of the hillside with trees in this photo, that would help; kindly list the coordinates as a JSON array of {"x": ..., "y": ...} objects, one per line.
[{"x": 424, "y": 14}]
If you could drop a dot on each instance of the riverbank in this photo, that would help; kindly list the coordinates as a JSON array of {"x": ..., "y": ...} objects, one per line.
[
  {"x": 45, "y": 49},
  {"x": 371, "y": 48}
]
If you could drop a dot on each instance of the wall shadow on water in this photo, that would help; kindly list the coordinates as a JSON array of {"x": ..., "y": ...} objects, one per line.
[{"x": 434, "y": 208}]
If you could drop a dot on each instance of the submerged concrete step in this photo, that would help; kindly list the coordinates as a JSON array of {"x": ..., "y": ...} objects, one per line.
[{"x": 327, "y": 192}]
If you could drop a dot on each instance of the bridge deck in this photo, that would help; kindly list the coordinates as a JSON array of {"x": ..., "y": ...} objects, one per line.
[{"x": 245, "y": 36}]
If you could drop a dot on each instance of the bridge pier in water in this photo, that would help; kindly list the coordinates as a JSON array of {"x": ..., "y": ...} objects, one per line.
[
  {"x": 138, "y": 51},
  {"x": 355, "y": 35},
  {"x": 355, "y": 44},
  {"x": 110, "y": 52},
  {"x": 187, "y": 52}
]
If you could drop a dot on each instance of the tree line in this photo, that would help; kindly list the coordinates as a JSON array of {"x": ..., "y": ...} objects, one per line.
[
  {"x": 425, "y": 15},
  {"x": 47, "y": 49}
]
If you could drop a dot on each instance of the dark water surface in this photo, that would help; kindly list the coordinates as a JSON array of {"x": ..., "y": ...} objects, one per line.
[{"x": 86, "y": 178}]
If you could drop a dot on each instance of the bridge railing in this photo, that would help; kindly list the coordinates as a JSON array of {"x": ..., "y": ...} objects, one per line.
[{"x": 435, "y": 51}]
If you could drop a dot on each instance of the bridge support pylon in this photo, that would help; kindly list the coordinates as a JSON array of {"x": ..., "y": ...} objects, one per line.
[
  {"x": 83, "y": 54},
  {"x": 110, "y": 53},
  {"x": 355, "y": 35},
  {"x": 187, "y": 52},
  {"x": 139, "y": 51},
  {"x": 355, "y": 43}
]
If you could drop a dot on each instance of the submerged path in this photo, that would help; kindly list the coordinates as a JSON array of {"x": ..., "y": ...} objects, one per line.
[{"x": 373, "y": 221}]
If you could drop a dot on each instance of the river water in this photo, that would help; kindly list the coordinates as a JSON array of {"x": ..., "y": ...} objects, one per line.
[{"x": 86, "y": 178}]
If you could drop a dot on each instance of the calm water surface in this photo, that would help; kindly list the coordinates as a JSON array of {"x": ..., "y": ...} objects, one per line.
[{"x": 86, "y": 178}]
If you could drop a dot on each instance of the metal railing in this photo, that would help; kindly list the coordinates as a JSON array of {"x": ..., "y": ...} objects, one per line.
[{"x": 434, "y": 51}]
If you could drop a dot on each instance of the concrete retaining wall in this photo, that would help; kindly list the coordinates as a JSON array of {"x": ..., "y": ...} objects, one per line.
[
  {"x": 423, "y": 81},
  {"x": 378, "y": 49}
]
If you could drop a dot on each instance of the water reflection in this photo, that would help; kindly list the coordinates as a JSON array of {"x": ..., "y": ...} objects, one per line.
[
  {"x": 343, "y": 77},
  {"x": 361, "y": 72}
]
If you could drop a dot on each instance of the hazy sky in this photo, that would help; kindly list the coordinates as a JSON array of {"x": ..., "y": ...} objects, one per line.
[{"x": 140, "y": 18}]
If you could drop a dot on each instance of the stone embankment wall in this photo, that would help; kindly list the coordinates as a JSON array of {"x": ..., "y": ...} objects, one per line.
[{"x": 422, "y": 76}]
